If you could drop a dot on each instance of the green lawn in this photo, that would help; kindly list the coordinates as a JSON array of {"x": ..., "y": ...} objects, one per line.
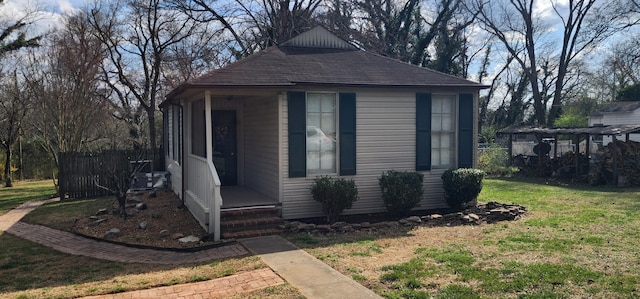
[
  {"x": 23, "y": 191},
  {"x": 575, "y": 242}
]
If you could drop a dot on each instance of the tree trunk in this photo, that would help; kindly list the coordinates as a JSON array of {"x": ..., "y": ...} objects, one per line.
[
  {"x": 7, "y": 167},
  {"x": 152, "y": 127}
]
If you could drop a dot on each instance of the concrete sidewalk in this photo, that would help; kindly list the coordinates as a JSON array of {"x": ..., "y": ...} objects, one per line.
[{"x": 313, "y": 278}]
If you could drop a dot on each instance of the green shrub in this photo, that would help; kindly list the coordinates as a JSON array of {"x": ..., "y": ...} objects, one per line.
[
  {"x": 401, "y": 191},
  {"x": 462, "y": 186},
  {"x": 494, "y": 161},
  {"x": 335, "y": 195}
]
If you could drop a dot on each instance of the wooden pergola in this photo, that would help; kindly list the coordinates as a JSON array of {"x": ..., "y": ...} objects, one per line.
[{"x": 577, "y": 133}]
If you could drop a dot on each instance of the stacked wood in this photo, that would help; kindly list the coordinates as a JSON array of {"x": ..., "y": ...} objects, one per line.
[
  {"x": 627, "y": 161},
  {"x": 566, "y": 165}
]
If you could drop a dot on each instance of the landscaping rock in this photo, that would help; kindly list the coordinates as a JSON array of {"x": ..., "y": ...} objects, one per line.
[
  {"x": 95, "y": 223},
  {"x": 414, "y": 219},
  {"x": 141, "y": 206},
  {"x": 346, "y": 228},
  {"x": 435, "y": 216},
  {"x": 481, "y": 213},
  {"x": 135, "y": 199},
  {"x": 112, "y": 233},
  {"x": 177, "y": 236},
  {"x": 324, "y": 228},
  {"x": 156, "y": 216},
  {"x": 474, "y": 217},
  {"x": 188, "y": 239},
  {"x": 164, "y": 233},
  {"x": 101, "y": 212},
  {"x": 142, "y": 225},
  {"x": 338, "y": 224},
  {"x": 94, "y": 217}
]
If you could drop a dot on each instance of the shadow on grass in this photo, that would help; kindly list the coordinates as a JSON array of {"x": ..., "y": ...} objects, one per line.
[{"x": 28, "y": 266}]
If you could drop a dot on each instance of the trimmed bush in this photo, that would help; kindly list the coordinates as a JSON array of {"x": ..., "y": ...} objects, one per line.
[
  {"x": 335, "y": 195},
  {"x": 401, "y": 191},
  {"x": 462, "y": 186}
]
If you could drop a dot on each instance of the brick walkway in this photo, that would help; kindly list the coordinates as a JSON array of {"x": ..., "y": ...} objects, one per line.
[
  {"x": 77, "y": 245},
  {"x": 221, "y": 287},
  {"x": 73, "y": 244}
]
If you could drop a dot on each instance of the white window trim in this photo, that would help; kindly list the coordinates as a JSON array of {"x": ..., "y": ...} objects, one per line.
[
  {"x": 337, "y": 137},
  {"x": 455, "y": 131}
]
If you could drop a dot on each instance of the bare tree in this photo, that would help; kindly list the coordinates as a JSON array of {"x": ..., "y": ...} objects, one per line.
[
  {"x": 518, "y": 26},
  {"x": 14, "y": 107},
  {"x": 252, "y": 25},
  {"x": 14, "y": 102},
  {"x": 137, "y": 36},
  {"x": 63, "y": 79}
]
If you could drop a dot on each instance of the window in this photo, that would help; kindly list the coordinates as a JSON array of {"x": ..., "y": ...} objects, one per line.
[
  {"x": 443, "y": 134},
  {"x": 444, "y": 131},
  {"x": 321, "y": 133},
  {"x": 315, "y": 139}
]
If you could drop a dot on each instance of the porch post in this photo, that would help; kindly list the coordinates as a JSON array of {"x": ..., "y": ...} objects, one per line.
[
  {"x": 207, "y": 124},
  {"x": 214, "y": 190}
]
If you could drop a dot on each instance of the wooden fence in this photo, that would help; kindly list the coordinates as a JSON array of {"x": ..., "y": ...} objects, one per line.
[{"x": 80, "y": 173}]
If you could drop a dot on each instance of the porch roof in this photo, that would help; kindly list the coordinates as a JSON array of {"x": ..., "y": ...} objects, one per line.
[
  {"x": 283, "y": 66},
  {"x": 595, "y": 130}
]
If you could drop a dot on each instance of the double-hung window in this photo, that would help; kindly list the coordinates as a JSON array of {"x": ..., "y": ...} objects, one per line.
[
  {"x": 321, "y": 133},
  {"x": 443, "y": 131}
]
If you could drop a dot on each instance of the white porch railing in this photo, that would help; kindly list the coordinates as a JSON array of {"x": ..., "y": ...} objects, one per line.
[{"x": 203, "y": 193}]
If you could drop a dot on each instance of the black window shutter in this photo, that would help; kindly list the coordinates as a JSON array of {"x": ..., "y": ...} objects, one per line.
[
  {"x": 465, "y": 131},
  {"x": 297, "y": 107},
  {"x": 347, "y": 140},
  {"x": 423, "y": 131}
]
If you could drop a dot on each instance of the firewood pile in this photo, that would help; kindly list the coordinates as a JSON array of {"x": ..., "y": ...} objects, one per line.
[
  {"x": 565, "y": 165},
  {"x": 627, "y": 155}
]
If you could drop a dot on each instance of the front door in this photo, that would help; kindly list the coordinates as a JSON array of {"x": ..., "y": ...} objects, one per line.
[{"x": 225, "y": 146}]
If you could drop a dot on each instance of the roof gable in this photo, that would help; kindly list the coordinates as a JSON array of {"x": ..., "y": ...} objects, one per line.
[{"x": 318, "y": 37}]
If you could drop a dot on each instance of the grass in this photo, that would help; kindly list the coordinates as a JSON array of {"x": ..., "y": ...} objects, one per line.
[
  {"x": 575, "y": 242},
  {"x": 61, "y": 215},
  {"x": 29, "y": 270},
  {"x": 23, "y": 191}
]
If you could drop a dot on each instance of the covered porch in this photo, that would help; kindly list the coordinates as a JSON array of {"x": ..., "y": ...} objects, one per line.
[{"x": 232, "y": 154}]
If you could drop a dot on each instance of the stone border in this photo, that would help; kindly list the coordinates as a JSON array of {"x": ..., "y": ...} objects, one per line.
[{"x": 490, "y": 212}]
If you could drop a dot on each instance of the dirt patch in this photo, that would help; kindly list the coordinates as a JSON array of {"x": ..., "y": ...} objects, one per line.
[{"x": 154, "y": 220}]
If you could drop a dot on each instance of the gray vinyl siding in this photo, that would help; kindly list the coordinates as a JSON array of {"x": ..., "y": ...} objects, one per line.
[
  {"x": 261, "y": 145},
  {"x": 385, "y": 140}
]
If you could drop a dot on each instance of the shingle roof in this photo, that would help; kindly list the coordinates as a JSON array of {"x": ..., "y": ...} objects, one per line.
[
  {"x": 316, "y": 63},
  {"x": 595, "y": 130},
  {"x": 615, "y": 107}
]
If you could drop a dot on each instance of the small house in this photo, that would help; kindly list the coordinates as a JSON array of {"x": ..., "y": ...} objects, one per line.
[{"x": 257, "y": 132}]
